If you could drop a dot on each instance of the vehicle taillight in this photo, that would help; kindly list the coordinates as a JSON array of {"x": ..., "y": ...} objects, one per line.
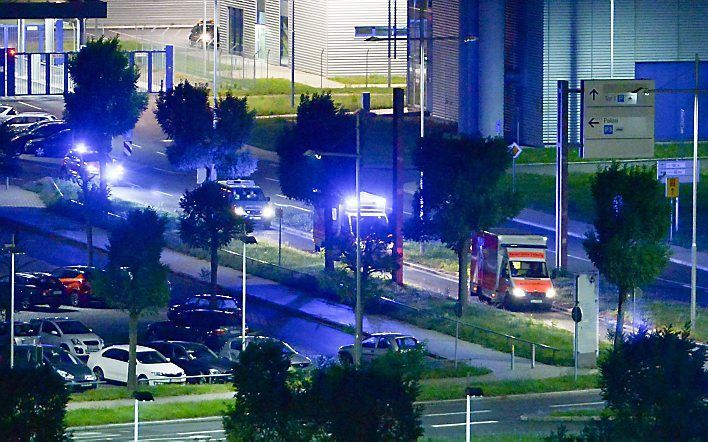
[{"x": 220, "y": 331}]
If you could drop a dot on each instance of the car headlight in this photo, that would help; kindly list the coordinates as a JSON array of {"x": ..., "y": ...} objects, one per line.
[
  {"x": 551, "y": 293},
  {"x": 214, "y": 371},
  {"x": 240, "y": 211},
  {"x": 268, "y": 212},
  {"x": 519, "y": 293},
  {"x": 115, "y": 172},
  {"x": 158, "y": 373},
  {"x": 76, "y": 341},
  {"x": 67, "y": 376}
]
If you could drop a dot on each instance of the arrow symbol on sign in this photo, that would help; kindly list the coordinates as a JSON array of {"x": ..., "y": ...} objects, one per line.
[
  {"x": 593, "y": 123},
  {"x": 593, "y": 94}
]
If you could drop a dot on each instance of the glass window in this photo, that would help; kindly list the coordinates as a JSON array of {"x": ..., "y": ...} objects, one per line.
[
  {"x": 197, "y": 351},
  {"x": 260, "y": 12},
  {"x": 284, "y": 31},
  {"x": 226, "y": 303},
  {"x": 55, "y": 356},
  {"x": 236, "y": 344},
  {"x": 383, "y": 343},
  {"x": 114, "y": 353},
  {"x": 406, "y": 343},
  {"x": 363, "y": 31},
  {"x": 24, "y": 329},
  {"x": 235, "y": 30},
  {"x": 528, "y": 269},
  {"x": 150, "y": 357},
  {"x": 48, "y": 327},
  {"x": 248, "y": 194},
  {"x": 73, "y": 328},
  {"x": 369, "y": 343}
]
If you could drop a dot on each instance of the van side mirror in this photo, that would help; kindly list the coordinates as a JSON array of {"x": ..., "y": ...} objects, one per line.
[{"x": 267, "y": 198}]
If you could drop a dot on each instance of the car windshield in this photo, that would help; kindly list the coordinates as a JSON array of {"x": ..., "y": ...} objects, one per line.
[
  {"x": 226, "y": 304},
  {"x": 150, "y": 357},
  {"x": 248, "y": 194},
  {"x": 406, "y": 343},
  {"x": 528, "y": 269},
  {"x": 196, "y": 351},
  {"x": 57, "y": 356},
  {"x": 73, "y": 328}
]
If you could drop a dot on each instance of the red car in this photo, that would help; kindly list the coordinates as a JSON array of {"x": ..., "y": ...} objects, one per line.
[{"x": 77, "y": 281}]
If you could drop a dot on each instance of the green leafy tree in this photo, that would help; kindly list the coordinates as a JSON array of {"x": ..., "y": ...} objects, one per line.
[
  {"x": 372, "y": 403},
  {"x": 187, "y": 118},
  {"x": 463, "y": 193},
  {"x": 34, "y": 405},
  {"x": 322, "y": 126},
  {"x": 135, "y": 280},
  {"x": 656, "y": 386},
  {"x": 208, "y": 221},
  {"x": 9, "y": 154},
  {"x": 95, "y": 204},
  {"x": 265, "y": 406},
  {"x": 628, "y": 244},
  {"x": 105, "y": 101}
]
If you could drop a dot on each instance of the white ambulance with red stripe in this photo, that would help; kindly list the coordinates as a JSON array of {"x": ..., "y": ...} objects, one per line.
[{"x": 509, "y": 269}]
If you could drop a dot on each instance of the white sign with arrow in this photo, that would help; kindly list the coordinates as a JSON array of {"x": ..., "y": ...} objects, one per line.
[{"x": 618, "y": 118}]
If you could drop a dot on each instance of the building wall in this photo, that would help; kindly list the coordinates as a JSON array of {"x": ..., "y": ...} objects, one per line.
[
  {"x": 155, "y": 12},
  {"x": 443, "y": 64},
  {"x": 577, "y": 43}
]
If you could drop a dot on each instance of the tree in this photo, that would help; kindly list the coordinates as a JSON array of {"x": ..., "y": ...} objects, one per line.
[
  {"x": 656, "y": 386},
  {"x": 34, "y": 405},
  {"x": 372, "y": 403},
  {"x": 94, "y": 206},
  {"x": 105, "y": 101},
  {"x": 135, "y": 280},
  {"x": 463, "y": 192},
  {"x": 208, "y": 221},
  {"x": 631, "y": 219},
  {"x": 9, "y": 154},
  {"x": 187, "y": 118},
  {"x": 321, "y": 126},
  {"x": 265, "y": 406}
]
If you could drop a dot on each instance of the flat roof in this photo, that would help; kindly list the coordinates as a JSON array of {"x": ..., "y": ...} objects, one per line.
[{"x": 41, "y": 9}]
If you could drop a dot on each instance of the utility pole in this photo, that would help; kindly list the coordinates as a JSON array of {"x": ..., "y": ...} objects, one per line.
[
  {"x": 359, "y": 310},
  {"x": 292, "y": 59},
  {"x": 561, "y": 227},
  {"x": 694, "y": 248},
  {"x": 397, "y": 186},
  {"x": 12, "y": 248}
]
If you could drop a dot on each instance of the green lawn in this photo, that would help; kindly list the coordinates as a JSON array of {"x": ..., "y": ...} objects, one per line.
[
  {"x": 266, "y": 132},
  {"x": 361, "y": 80},
  {"x": 107, "y": 394},
  {"x": 435, "y": 255},
  {"x": 662, "y": 150},
  {"x": 677, "y": 314},
  {"x": 149, "y": 411}
]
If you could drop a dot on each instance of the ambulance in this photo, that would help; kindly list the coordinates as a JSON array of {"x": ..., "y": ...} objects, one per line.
[{"x": 509, "y": 270}]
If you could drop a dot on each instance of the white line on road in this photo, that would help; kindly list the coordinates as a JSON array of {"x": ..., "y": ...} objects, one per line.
[
  {"x": 199, "y": 432},
  {"x": 580, "y": 404},
  {"x": 456, "y": 413},
  {"x": 161, "y": 153},
  {"x": 30, "y": 105},
  {"x": 272, "y": 179},
  {"x": 294, "y": 207},
  {"x": 96, "y": 436},
  {"x": 462, "y": 424}
]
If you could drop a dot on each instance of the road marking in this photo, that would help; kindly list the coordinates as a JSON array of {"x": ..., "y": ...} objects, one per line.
[
  {"x": 166, "y": 171},
  {"x": 272, "y": 179},
  {"x": 580, "y": 404},
  {"x": 189, "y": 433},
  {"x": 30, "y": 105},
  {"x": 96, "y": 436},
  {"x": 294, "y": 207},
  {"x": 161, "y": 153},
  {"x": 455, "y": 413},
  {"x": 163, "y": 193},
  {"x": 462, "y": 424}
]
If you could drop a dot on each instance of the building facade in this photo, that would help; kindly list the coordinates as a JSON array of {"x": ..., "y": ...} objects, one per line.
[
  {"x": 330, "y": 35},
  {"x": 504, "y": 83}
]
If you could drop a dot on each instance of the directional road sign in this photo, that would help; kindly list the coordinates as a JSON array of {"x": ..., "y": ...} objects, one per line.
[
  {"x": 681, "y": 169},
  {"x": 618, "y": 118}
]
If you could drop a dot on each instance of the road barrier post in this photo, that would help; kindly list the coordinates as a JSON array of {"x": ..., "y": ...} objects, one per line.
[
  {"x": 512, "y": 356},
  {"x": 533, "y": 355}
]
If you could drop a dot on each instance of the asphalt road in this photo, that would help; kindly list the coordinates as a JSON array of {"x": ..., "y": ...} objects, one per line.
[
  {"x": 441, "y": 420},
  {"x": 151, "y": 180},
  {"x": 44, "y": 254}
]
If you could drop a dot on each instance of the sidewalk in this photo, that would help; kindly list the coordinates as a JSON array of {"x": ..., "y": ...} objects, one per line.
[{"x": 22, "y": 207}]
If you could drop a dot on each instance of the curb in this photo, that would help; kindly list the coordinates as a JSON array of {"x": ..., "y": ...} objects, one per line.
[{"x": 520, "y": 396}]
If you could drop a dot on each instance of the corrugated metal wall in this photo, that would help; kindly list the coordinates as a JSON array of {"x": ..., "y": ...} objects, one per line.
[
  {"x": 310, "y": 34},
  {"x": 155, "y": 12},
  {"x": 577, "y": 43},
  {"x": 443, "y": 65},
  {"x": 249, "y": 20}
]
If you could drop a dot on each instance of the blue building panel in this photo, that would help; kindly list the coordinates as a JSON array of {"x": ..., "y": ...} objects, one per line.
[{"x": 674, "y": 111}]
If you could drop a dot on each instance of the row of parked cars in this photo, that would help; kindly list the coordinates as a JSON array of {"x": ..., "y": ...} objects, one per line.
[{"x": 69, "y": 285}]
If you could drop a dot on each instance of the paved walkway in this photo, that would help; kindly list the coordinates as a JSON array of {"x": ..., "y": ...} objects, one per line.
[{"x": 20, "y": 207}]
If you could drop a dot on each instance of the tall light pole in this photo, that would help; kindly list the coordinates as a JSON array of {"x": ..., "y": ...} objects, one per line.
[
  {"x": 694, "y": 248},
  {"x": 245, "y": 239},
  {"x": 12, "y": 248},
  {"x": 215, "y": 42},
  {"x": 359, "y": 308},
  {"x": 292, "y": 58}
]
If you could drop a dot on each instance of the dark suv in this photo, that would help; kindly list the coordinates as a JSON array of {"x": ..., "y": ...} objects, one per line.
[
  {"x": 33, "y": 289},
  {"x": 213, "y": 337},
  {"x": 206, "y": 309}
]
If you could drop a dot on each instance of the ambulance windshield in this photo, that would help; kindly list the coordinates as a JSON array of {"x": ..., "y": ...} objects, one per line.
[{"x": 528, "y": 269}]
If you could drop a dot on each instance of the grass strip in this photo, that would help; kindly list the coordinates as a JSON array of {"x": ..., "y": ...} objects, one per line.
[
  {"x": 149, "y": 411},
  {"x": 454, "y": 388},
  {"x": 108, "y": 394},
  {"x": 661, "y": 150}
]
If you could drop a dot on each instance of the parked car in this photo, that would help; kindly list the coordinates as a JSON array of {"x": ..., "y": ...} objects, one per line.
[
  {"x": 77, "y": 376},
  {"x": 6, "y": 112},
  {"x": 69, "y": 334},
  {"x": 211, "y": 336},
  {"x": 205, "y": 309},
  {"x": 111, "y": 364},
  {"x": 195, "y": 359},
  {"x": 197, "y": 36},
  {"x": 33, "y": 289},
  {"x": 18, "y": 123},
  {"x": 377, "y": 345},
  {"x": 53, "y": 145},
  {"x": 232, "y": 349},
  {"x": 25, "y": 355},
  {"x": 25, "y": 333},
  {"x": 77, "y": 283},
  {"x": 74, "y": 159},
  {"x": 41, "y": 129}
]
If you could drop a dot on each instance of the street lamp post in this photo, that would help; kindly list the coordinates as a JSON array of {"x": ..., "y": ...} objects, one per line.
[
  {"x": 12, "y": 248},
  {"x": 245, "y": 239}
]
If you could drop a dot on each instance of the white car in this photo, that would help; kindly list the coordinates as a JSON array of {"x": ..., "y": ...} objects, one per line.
[
  {"x": 21, "y": 121},
  {"x": 69, "y": 334},
  {"x": 232, "y": 349},
  {"x": 111, "y": 364}
]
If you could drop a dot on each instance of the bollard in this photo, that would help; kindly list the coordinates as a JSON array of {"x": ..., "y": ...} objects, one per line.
[
  {"x": 533, "y": 355},
  {"x": 512, "y": 356}
]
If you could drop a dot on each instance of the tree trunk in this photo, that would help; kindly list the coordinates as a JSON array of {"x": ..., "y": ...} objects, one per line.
[
  {"x": 133, "y": 343},
  {"x": 89, "y": 242},
  {"x": 619, "y": 327},
  {"x": 330, "y": 235},
  {"x": 214, "y": 266},
  {"x": 102, "y": 159},
  {"x": 463, "y": 267}
]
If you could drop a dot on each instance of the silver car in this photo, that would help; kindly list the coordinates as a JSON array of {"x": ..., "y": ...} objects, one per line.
[
  {"x": 377, "y": 345},
  {"x": 232, "y": 349},
  {"x": 25, "y": 333},
  {"x": 17, "y": 123},
  {"x": 69, "y": 334}
]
